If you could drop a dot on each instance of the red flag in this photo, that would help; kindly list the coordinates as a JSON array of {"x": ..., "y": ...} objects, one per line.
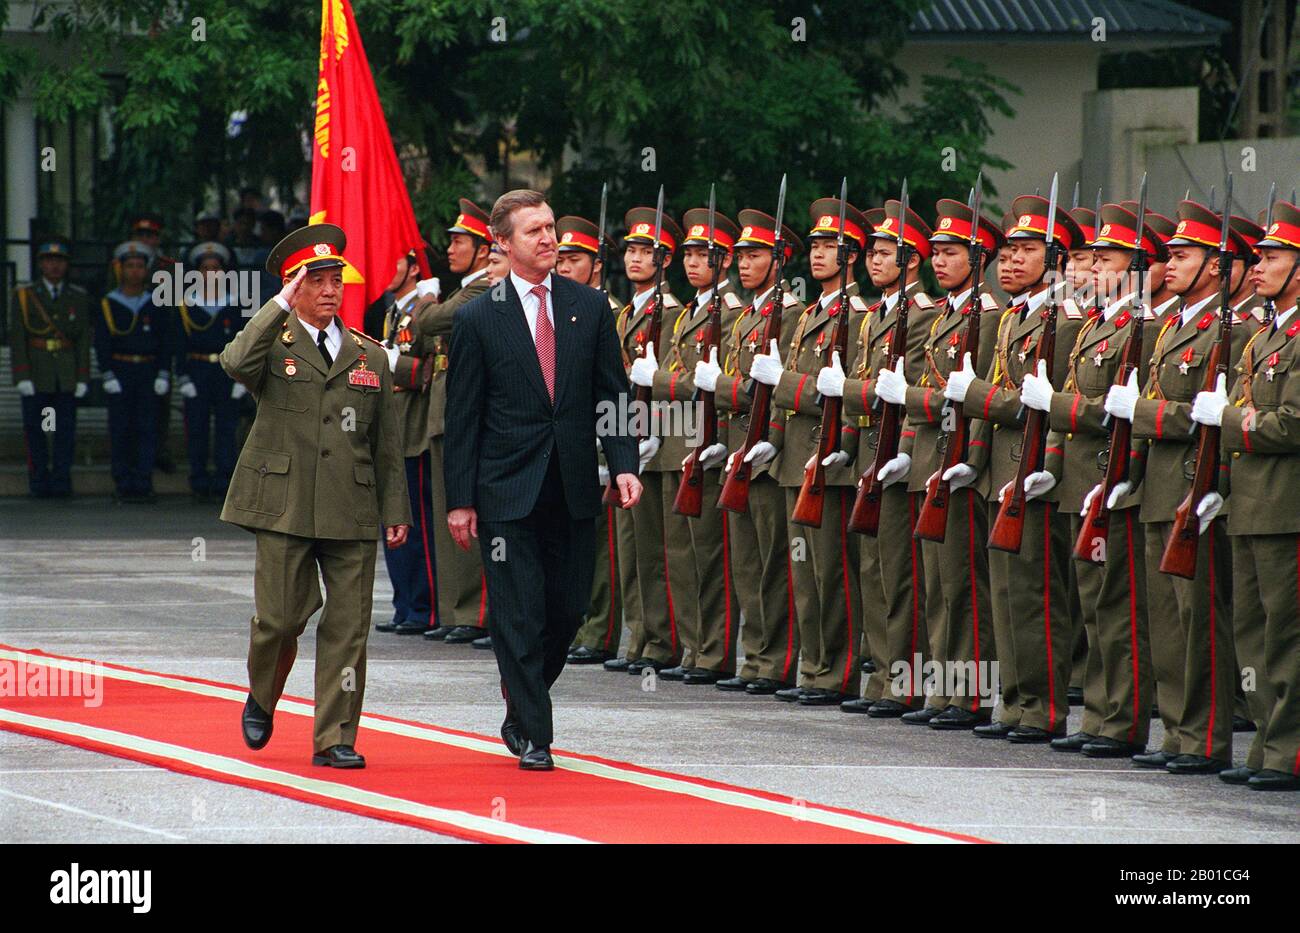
[{"x": 356, "y": 181}]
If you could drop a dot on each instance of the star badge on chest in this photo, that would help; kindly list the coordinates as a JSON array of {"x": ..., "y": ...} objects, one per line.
[
  {"x": 952, "y": 352},
  {"x": 1183, "y": 367}
]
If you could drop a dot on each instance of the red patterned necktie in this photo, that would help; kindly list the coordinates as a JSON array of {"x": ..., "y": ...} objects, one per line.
[{"x": 545, "y": 339}]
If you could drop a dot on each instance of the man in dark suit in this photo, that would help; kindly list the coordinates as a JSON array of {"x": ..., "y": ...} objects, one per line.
[{"x": 535, "y": 376}]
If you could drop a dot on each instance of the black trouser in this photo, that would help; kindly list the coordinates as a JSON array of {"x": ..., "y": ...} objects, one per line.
[{"x": 539, "y": 570}]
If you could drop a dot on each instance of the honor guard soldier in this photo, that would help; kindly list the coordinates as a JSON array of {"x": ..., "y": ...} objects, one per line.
[
  {"x": 208, "y": 321},
  {"x": 654, "y": 640},
  {"x": 1247, "y": 305},
  {"x": 958, "y": 616},
  {"x": 320, "y": 474},
  {"x": 891, "y": 574},
  {"x": 134, "y": 345},
  {"x": 461, "y": 587},
  {"x": 49, "y": 341},
  {"x": 1261, "y": 440},
  {"x": 825, "y": 558},
  {"x": 1201, "y": 627},
  {"x": 759, "y": 543},
  {"x": 578, "y": 258},
  {"x": 1028, "y": 593},
  {"x": 708, "y": 615}
]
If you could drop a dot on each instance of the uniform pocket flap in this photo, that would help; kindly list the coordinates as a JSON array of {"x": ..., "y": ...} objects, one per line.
[
  {"x": 364, "y": 473},
  {"x": 265, "y": 461}
]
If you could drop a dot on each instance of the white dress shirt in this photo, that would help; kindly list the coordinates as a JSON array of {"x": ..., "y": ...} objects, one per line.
[
  {"x": 1192, "y": 311},
  {"x": 524, "y": 289},
  {"x": 1281, "y": 317},
  {"x": 762, "y": 299},
  {"x": 333, "y": 335}
]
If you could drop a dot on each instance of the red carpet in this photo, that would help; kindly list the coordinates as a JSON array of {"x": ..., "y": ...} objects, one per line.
[{"x": 451, "y": 782}]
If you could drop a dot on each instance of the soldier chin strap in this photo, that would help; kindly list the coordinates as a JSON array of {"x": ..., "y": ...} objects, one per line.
[{"x": 1196, "y": 278}]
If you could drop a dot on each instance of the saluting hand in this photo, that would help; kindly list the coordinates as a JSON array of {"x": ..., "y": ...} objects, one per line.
[
  {"x": 290, "y": 290},
  {"x": 395, "y": 535}
]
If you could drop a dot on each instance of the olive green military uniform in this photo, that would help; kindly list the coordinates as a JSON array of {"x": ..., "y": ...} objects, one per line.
[
  {"x": 760, "y": 549},
  {"x": 412, "y": 375},
  {"x": 321, "y": 471}
]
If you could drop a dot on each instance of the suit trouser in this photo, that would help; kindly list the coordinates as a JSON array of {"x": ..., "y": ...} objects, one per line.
[
  {"x": 764, "y": 584},
  {"x": 719, "y": 620},
  {"x": 286, "y": 592},
  {"x": 132, "y": 426},
  {"x": 1267, "y": 622},
  {"x": 539, "y": 595},
  {"x": 961, "y": 633},
  {"x": 461, "y": 585},
  {"x": 825, "y": 561},
  {"x": 603, "y": 627},
  {"x": 411, "y": 566},
  {"x": 682, "y": 576},
  {"x": 1168, "y": 636},
  {"x": 1209, "y": 665},
  {"x": 902, "y": 644},
  {"x": 40, "y": 477},
  {"x": 659, "y": 637}
]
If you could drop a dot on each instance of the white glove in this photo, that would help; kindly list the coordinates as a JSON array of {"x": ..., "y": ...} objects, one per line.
[
  {"x": 646, "y": 451},
  {"x": 960, "y": 475},
  {"x": 839, "y": 458},
  {"x": 830, "y": 381},
  {"x": 896, "y": 470},
  {"x": 1087, "y": 500},
  {"x": 26, "y": 388},
  {"x": 766, "y": 367},
  {"x": 708, "y": 371},
  {"x": 393, "y": 353},
  {"x": 186, "y": 386},
  {"x": 111, "y": 385},
  {"x": 428, "y": 287},
  {"x": 80, "y": 390},
  {"x": 1039, "y": 484},
  {"x": 238, "y": 391},
  {"x": 959, "y": 381},
  {"x": 1002, "y": 493},
  {"x": 1208, "y": 407},
  {"x": 1036, "y": 390},
  {"x": 760, "y": 453},
  {"x": 891, "y": 384},
  {"x": 1122, "y": 489},
  {"x": 161, "y": 384},
  {"x": 602, "y": 474},
  {"x": 710, "y": 456},
  {"x": 644, "y": 367},
  {"x": 1122, "y": 400},
  {"x": 1208, "y": 508}
]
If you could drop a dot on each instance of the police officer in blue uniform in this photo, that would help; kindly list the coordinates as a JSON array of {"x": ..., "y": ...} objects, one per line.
[
  {"x": 208, "y": 321},
  {"x": 134, "y": 346}
]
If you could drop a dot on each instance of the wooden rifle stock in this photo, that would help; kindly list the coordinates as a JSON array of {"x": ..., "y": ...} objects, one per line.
[
  {"x": 811, "y": 501},
  {"x": 865, "y": 517},
  {"x": 643, "y": 400},
  {"x": 689, "y": 500},
  {"x": 735, "y": 489}
]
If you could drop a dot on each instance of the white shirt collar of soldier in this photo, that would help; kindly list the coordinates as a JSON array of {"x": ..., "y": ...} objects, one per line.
[
  {"x": 703, "y": 298},
  {"x": 1111, "y": 310},
  {"x": 473, "y": 276},
  {"x": 401, "y": 304},
  {"x": 825, "y": 300},
  {"x": 1281, "y": 317},
  {"x": 639, "y": 299},
  {"x": 333, "y": 335},
  {"x": 1035, "y": 302},
  {"x": 1164, "y": 306},
  {"x": 1192, "y": 310},
  {"x": 761, "y": 300},
  {"x": 890, "y": 301},
  {"x": 54, "y": 288},
  {"x": 1016, "y": 301},
  {"x": 958, "y": 301},
  {"x": 524, "y": 289}
]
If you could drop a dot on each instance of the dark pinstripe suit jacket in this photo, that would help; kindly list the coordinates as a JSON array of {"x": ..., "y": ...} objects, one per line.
[{"x": 501, "y": 425}]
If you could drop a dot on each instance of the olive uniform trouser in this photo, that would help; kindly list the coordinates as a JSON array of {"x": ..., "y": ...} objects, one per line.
[
  {"x": 763, "y": 582},
  {"x": 719, "y": 619},
  {"x": 657, "y": 638},
  {"x": 682, "y": 577},
  {"x": 1114, "y": 600},
  {"x": 603, "y": 628},
  {"x": 901, "y": 636},
  {"x": 462, "y": 588},
  {"x": 825, "y": 571},
  {"x": 1168, "y": 637},
  {"x": 285, "y": 594}
]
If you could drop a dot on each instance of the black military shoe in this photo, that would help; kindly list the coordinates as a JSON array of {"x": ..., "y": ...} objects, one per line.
[
  {"x": 617, "y": 665},
  {"x": 1103, "y": 747},
  {"x": 585, "y": 655},
  {"x": 438, "y": 632},
  {"x": 256, "y": 724},
  {"x": 885, "y": 708},
  {"x": 700, "y": 675},
  {"x": 536, "y": 758},
  {"x": 642, "y": 664},
  {"x": 764, "y": 687},
  {"x": 386, "y": 626},
  {"x": 868, "y": 666},
  {"x": 1237, "y": 775},
  {"x": 790, "y": 694},
  {"x": 1195, "y": 764},
  {"x": 338, "y": 756},
  {"x": 735, "y": 684},
  {"x": 1242, "y": 724},
  {"x": 1030, "y": 735},
  {"x": 994, "y": 730},
  {"x": 1074, "y": 742},
  {"x": 673, "y": 673},
  {"x": 464, "y": 634},
  {"x": 819, "y": 696},
  {"x": 410, "y": 627},
  {"x": 857, "y": 705},
  {"x": 920, "y": 717},
  {"x": 1268, "y": 779},
  {"x": 484, "y": 643},
  {"x": 955, "y": 718},
  {"x": 1153, "y": 759}
]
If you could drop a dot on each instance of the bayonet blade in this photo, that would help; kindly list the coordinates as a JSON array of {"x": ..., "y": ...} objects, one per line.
[
  {"x": 1213, "y": 190},
  {"x": 1227, "y": 215},
  {"x": 780, "y": 208},
  {"x": 1268, "y": 217},
  {"x": 902, "y": 214},
  {"x": 844, "y": 196},
  {"x": 1096, "y": 216},
  {"x": 1051, "y": 211},
  {"x": 1142, "y": 212},
  {"x": 1074, "y": 202},
  {"x": 977, "y": 195},
  {"x": 604, "y": 196},
  {"x": 712, "y": 204},
  {"x": 659, "y": 218}
]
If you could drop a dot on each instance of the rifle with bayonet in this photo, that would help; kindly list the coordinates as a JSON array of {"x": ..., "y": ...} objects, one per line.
[{"x": 601, "y": 251}]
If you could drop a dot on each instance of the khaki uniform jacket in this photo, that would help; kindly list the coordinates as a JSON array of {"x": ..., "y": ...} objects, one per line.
[
  {"x": 633, "y": 336},
  {"x": 433, "y": 337},
  {"x": 50, "y": 340},
  {"x": 324, "y": 456},
  {"x": 412, "y": 375}
]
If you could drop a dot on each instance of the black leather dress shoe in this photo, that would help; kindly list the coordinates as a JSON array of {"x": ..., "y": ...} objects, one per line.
[
  {"x": 512, "y": 735},
  {"x": 673, "y": 673},
  {"x": 1156, "y": 759},
  {"x": 1030, "y": 735},
  {"x": 920, "y": 717},
  {"x": 857, "y": 705},
  {"x": 386, "y": 626},
  {"x": 1268, "y": 779},
  {"x": 735, "y": 684},
  {"x": 868, "y": 666},
  {"x": 1195, "y": 764},
  {"x": 437, "y": 633},
  {"x": 1074, "y": 695},
  {"x": 1074, "y": 742},
  {"x": 764, "y": 687},
  {"x": 955, "y": 718},
  {"x": 819, "y": 696},
  {"x": 338, "y": 756},
  {"x": 536, "y": 758},
  {"x": 790, "y": 694},
  {"x": 994, "y": 730},
  {"x": 1237, "y": 775},
  {"x": 585, "y": 655},
  {"x": 1242, "y": 724},
  {"x": 464, "y": 634},
  {"x": 885, "y": 708},
  {"x": 256, "y": 724},
  {"x": 700, "y": 675},
  {"x": 642, "y": 664},
  {"x": 411, "y": 627},
  {"x": 1103, "y": 747},
  {"x": 617, "y": 665},
  {"x": 484, "y": 643}
]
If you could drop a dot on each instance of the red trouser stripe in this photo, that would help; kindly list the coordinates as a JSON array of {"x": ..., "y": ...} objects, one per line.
[
  {"x": 424, "y": 538},
  {"x": 848, "y": 597},
  {"x": 614, "y": 621},
  {"x": 916, "y": 597},
  {"x": 789, "y": 618},
  {"x": 1047, "y": 613},
  {"x": 974, "y": 592},
  {"x": 1296, "y": 768},
  {"x": 1214, "y": 686},
  {"x": 668, "y": 589},
  {"x": 726, "y": 588},
  {"x": 1133, "y": 584}
]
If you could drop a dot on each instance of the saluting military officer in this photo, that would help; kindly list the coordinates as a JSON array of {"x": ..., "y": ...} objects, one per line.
[
  {"x": 759, "y": 546},
  {"x": 698, "y": 548},
  {"x": 956, "y": 570},
  {"x": 49, "y": 341},
  {"x": 1260, "y": 423},
  {"x": 1161, "y": 414},
  {"x": 578, "y": 258},
  {"x": 319, "y": 475},
  {"x": 824, "y": 559},
  {"x": 654, "y": 639}
]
